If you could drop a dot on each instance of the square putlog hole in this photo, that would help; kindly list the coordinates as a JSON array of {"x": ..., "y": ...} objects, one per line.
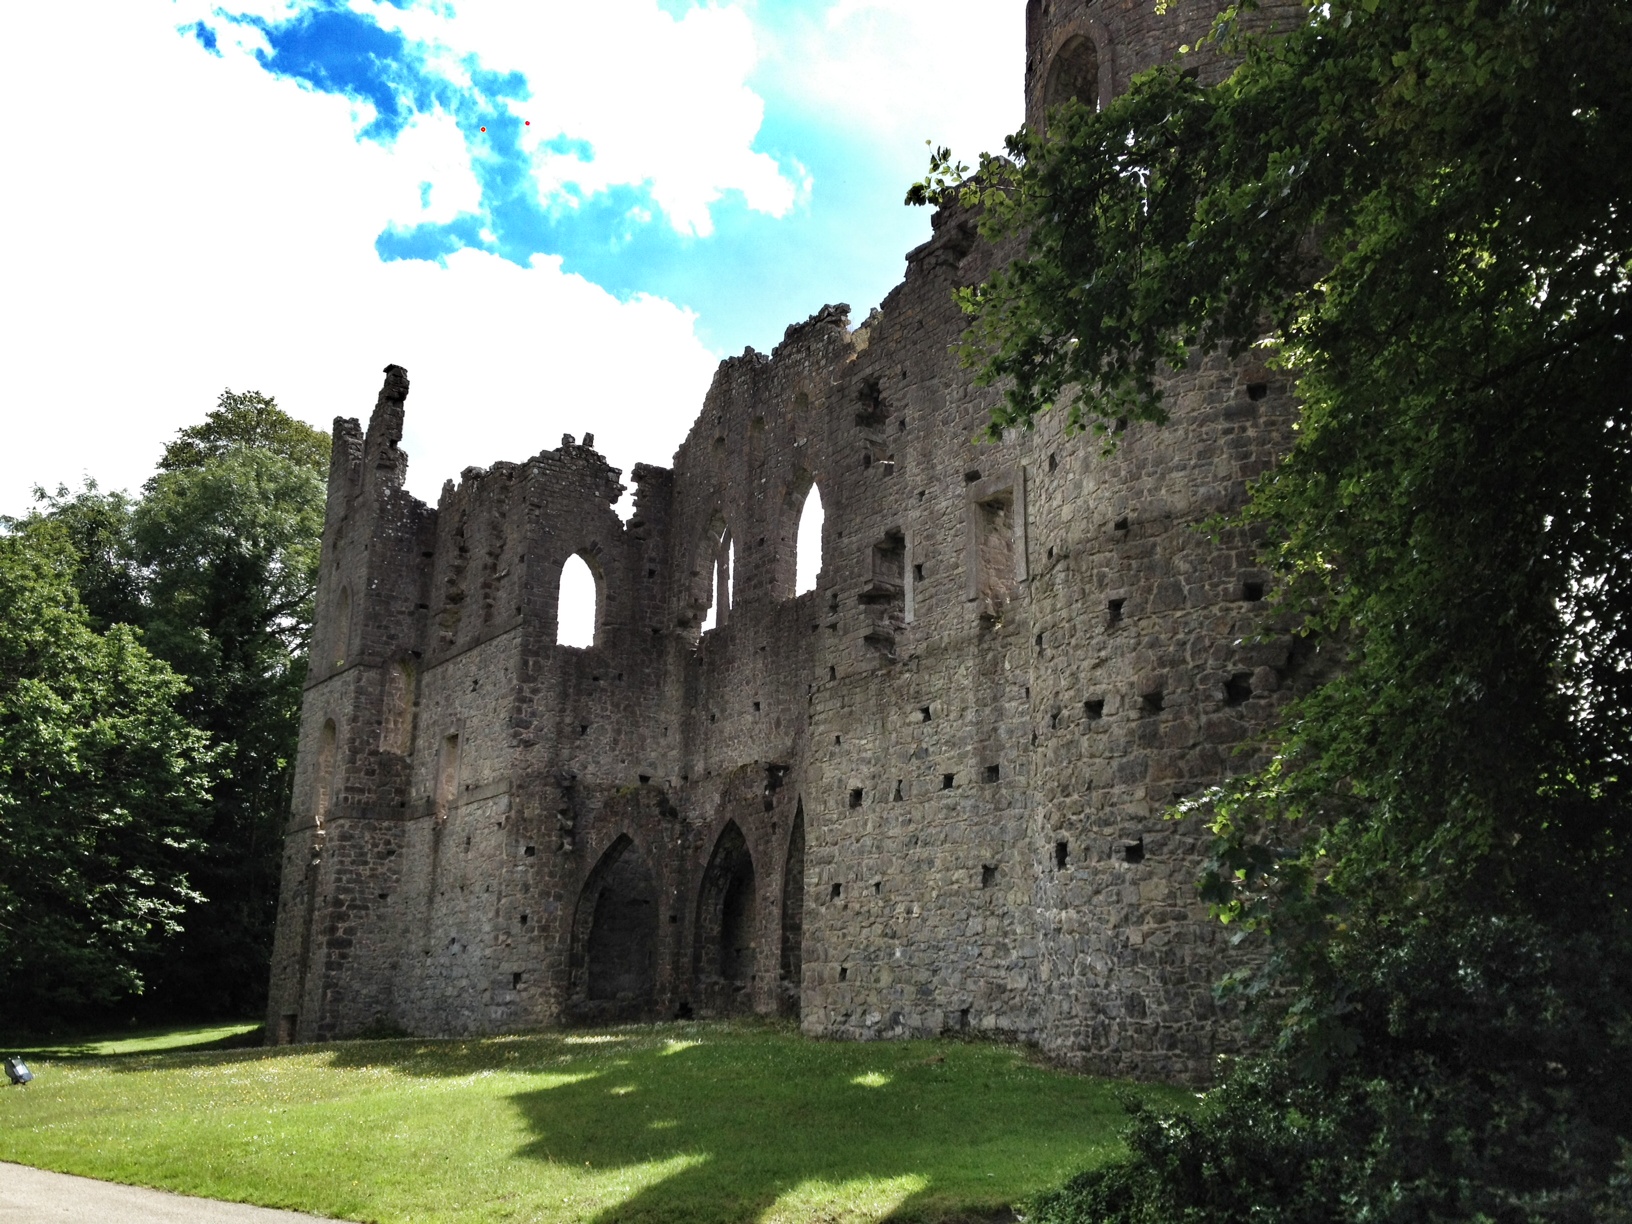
[
  {"x": 948, "y": 781},
  {"x": 1152, "y": 702},
  {"x": 1238, "y": 689},
  {"x": 855, "y": 797},
  {"x": 838, "y": 891},
  {"x": 1133, "y": 851},
  {"x": 1094, "y": 709},
  {"x": 988, "y": 875},
  {"x": 1062, "y": 855},
  {"x": 1113, "y": 610},
  {"x": 994, "y": 773}
]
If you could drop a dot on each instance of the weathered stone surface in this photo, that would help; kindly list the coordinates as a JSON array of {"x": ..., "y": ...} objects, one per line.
[{"x": 924, "y": 797}]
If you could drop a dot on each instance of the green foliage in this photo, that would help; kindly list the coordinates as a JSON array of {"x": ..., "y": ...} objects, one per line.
[
  {"x": 247, "y": 419},
  {"x": 98, "y": 527},
  {"x": 229, "y": 549},
  {"x": 1418, "y": 208},
  {"x": 102, "y": 783},
  {"x": 216, "y": 566}
]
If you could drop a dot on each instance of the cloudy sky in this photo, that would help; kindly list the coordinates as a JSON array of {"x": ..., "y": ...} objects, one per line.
[{"x": 285, "y": 195}]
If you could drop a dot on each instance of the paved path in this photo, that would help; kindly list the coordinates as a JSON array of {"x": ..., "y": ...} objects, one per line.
[{"x": 33, "y": 1196}]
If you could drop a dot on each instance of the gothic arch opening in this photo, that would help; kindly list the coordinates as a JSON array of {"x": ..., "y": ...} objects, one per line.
[
  {"x": 793, "y": 917},
  {"x": 727, "y": 926},
  {"x": 614, "y": 937},
  {"x": 807, "y": 548},
  {"x": 723, "y": 583},
  {"x": 578, "y": 605},
  {"x": 1073, "y": 75}
]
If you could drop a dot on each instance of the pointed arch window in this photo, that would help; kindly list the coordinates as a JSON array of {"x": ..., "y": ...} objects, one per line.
[
  {"x": 808, "y": 561},
  {"x": 1073, "y": 75},
  {"x": 578, "y": 604},
  {"x": 722, "y": 587}
]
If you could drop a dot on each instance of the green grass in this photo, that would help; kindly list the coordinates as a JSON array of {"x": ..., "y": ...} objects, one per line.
[
  {"x": 678, "y": 1123},
  {"x": 144, "y": 1041}
]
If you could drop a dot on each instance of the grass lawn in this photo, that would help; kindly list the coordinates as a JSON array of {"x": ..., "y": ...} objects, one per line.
[{"x": 678, "y": 1123}]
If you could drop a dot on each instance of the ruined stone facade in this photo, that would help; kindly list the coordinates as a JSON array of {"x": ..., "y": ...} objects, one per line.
[{"x": 924, "y": 797}]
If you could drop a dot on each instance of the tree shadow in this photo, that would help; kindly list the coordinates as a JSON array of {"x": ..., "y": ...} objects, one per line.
[
  {"x": 144, "y": 1043},
  {"x": 819, "y": 1146},
  {"x": 726, "y": 1123},
  {"x": 704, "y": 1122}
]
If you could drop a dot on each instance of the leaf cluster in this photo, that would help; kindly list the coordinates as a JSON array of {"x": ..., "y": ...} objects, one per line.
[
  {"x": 1418, "y": 208},
  {"x": 213, "y": 570},
  {"x": 103, "y": 786}
]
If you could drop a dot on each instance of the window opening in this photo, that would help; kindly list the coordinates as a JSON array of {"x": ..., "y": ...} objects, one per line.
[
  {"x": 447, "y": 776},
  {"x": 722, "y": 582},
  {"x": 1074, "y": 75},
  {"x": 397, "y": 729},
  {"x": 578, "y": 605},
  {"x": 327, "y": 751},
  {"x": 808, "y": 543},
  {"x": 995, "y": 557},
  {"x": 342, "y": 631},
  {"x": 885, "y": 595}
]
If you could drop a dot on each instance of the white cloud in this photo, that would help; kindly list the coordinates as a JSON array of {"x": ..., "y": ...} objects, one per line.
[
  {"x": 911, "y": 70},
  {"x": 179, "y": 223},
  {"x": 663, "y": 101}
]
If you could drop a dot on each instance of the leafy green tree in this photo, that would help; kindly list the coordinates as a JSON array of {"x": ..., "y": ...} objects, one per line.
[
  {"x": 227, "y": 537},
  {"x": 99, "y": 528},
  {"x": 247, "y": 419},
  {"x": 102, "y": 786},
  {"x": 1420, "y": 207}
]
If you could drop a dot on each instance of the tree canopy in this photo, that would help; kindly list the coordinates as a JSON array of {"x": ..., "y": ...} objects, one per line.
[
  {"x": 1420, "y": 209},
  {"x": 103, "y": 786},
  {"x": 212, "y": 569}
]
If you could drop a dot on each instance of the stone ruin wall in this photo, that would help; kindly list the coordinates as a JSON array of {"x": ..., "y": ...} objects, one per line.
[{"x": 925, "y": 797}]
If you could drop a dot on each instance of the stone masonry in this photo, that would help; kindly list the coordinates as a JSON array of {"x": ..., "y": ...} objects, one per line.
[{"x": 926, "y": 796}]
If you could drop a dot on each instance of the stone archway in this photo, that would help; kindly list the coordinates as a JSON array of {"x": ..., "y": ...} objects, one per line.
[
  {"x": 614, "y": 956},
  {"x": 727, "y": 928}
]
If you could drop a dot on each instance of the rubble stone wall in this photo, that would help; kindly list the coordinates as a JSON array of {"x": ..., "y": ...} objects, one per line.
[{"x": 926, "y": 796}]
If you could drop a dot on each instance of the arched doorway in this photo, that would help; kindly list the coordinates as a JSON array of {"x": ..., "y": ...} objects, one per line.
[
  {"x": 793, "y": 917},
  {"x": 614, "y": 957},
  {"x": 727, "y": 927}
]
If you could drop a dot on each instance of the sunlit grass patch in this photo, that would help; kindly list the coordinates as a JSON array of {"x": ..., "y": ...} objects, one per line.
[
  {"x": 149, "y": 1041},
  {"x": 677, "y": 1123}
]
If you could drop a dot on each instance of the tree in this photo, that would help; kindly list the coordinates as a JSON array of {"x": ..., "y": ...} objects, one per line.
[
  {"x": 102, "y": 783},
  {"x": 98, "y": 526},
  {"x": 247, "y": 419},
  {"x": 213, "y": 571},
  {"x": 227, "y": 536},
  {"x": 1420, "y": 207}
]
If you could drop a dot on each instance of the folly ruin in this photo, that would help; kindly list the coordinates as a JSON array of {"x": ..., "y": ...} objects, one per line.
[{"x": 925, "y": 796}]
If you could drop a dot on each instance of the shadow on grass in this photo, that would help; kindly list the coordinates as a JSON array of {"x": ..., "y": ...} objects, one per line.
[
  {"x": 725, "y": 1125},
  {"x": 167, "y": 1040},
  {"x": 704, "y": 1123}
]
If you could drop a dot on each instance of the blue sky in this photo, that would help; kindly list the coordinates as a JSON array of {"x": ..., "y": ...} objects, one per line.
[{"x": 287, "y": 194}]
